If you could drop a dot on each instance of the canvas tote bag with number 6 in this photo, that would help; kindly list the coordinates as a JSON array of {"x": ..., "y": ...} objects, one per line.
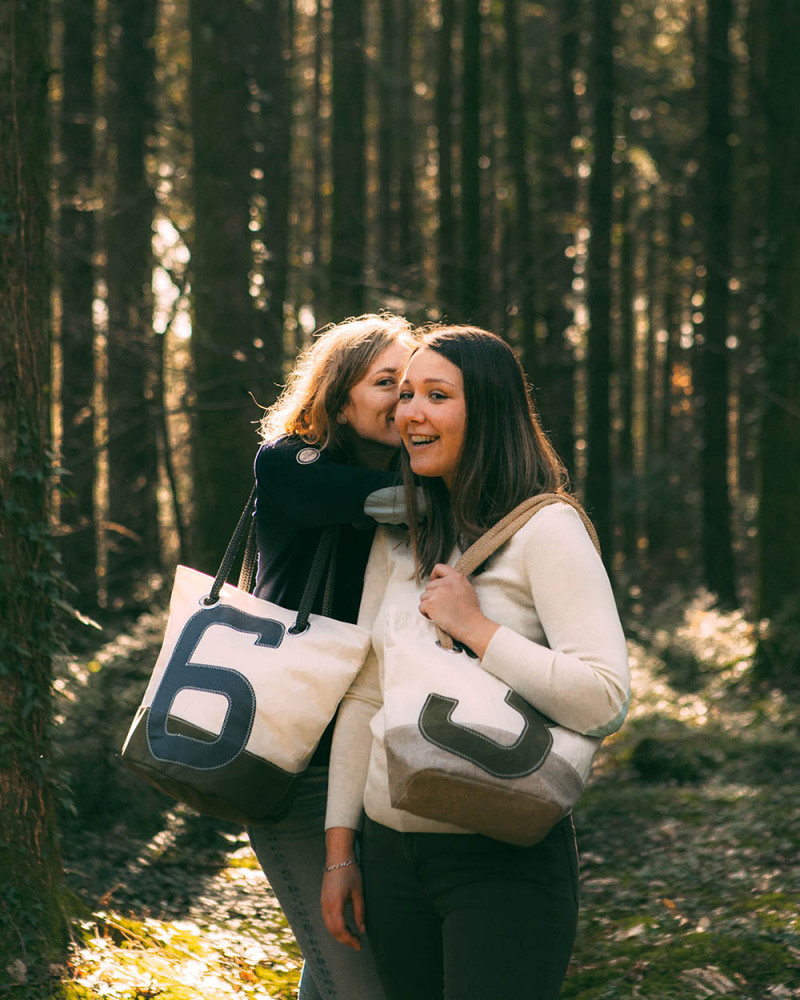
[
  {"x": 461, "y": 746},
  {"x": 242, "y": 690}
]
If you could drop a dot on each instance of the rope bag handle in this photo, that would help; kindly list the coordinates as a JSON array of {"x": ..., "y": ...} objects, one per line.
[
  {"x": 499, "y": 534},
  {"x": 324, "y": 557}
]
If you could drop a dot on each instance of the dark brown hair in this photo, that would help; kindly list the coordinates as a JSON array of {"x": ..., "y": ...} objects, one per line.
[{"x": 506, "y": 457}]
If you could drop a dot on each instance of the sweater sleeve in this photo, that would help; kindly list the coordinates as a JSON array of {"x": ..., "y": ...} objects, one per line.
[
  {"x": 312, "y": 488},
  {"x": 352, "y": 738},
  {"x": 581, "y": 678}
]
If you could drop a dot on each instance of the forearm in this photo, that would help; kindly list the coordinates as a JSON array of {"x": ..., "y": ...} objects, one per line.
[
  {"x": 587, "y": 692},
  {"x": 577, "y": 673},
  {"x": 476, "y": 632},
  {"x": 350, "y": 752},
  {"x": 339, "y": 846}
]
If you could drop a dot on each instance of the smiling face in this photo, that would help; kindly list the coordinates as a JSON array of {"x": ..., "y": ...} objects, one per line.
[
  {"x": 432, "y": 415},
  {"x": 369, "y": 411}
]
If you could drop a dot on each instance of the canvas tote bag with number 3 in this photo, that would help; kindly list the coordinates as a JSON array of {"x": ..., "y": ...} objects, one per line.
[{"x": 461, "y": 746}]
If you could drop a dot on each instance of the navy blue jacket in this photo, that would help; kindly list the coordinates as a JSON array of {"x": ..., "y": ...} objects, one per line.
[{"x": 301, "y": 490}]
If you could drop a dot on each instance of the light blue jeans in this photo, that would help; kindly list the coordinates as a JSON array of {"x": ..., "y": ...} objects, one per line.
[{"x": 292, "y": 854}]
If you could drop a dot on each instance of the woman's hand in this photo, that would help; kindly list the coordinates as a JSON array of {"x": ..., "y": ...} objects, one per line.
[
  {"x": 342, "y": 885},
  {"x": 450, "y": 601},
  {"x": 338, "y": 888}
]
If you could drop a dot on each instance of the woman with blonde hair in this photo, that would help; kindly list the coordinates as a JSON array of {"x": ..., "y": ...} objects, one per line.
[{"x": 329, "y": 456}]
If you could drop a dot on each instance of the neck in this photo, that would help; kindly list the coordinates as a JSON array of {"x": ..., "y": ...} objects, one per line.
[{"x": 372, "y": 454}]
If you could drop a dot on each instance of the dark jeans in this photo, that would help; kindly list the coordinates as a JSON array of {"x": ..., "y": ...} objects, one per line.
[{"x": 464, "y": 917}]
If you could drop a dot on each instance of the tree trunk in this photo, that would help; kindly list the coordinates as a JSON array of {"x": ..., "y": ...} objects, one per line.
[
  {"x": 712, "y": 366},
  {"x": 448, "y": 297},
  {"x": 629, "y": 500},
  {"x": 557, "y": 393},
  {"x": 397, "y": 257},
  {"x": 672, "y": 315},
  {"x": 386, "y": 139},
  {"x": 653, "y": 468},
  {"x": 318, "y": 284},
  {"x": 522, "y": 241},
  {"x": 271, "y": 51},
  {"x": 348, "y": 223},
  {"x": 75, "y": 276},
  {"x": 224, "y": 326},
  {"x": 407, "y": 248},
  {"x": 779, "y": 565},
  {"x": 598, "y": 473},
  {"x": 32, "y": 923},
  {"x": 471, "y": 285},
  {"x": 132, "y": 350}
]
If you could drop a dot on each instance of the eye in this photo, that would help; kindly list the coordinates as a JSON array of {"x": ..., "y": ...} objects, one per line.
[
  {"x": 405, "y": 394},
  {"x": 388, "y": 380},
  {"x": 438, "y": 395}
]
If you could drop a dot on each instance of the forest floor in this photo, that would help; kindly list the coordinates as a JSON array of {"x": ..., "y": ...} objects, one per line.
[{"x": 689, "y": 838}]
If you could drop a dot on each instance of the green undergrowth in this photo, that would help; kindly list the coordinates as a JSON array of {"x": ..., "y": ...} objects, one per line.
[
  {"x": 689, "y": 838},
  {"x": 176, "y": 960},
  {"x": 690, "y": 831}
]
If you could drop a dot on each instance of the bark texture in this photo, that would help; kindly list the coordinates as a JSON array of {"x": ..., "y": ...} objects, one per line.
[{"x": 31, "y": 920}]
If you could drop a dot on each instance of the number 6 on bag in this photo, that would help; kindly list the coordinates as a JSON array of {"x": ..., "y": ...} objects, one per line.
[{"x": 241, "y": 693}]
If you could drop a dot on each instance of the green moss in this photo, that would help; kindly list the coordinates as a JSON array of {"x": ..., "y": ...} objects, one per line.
[
  {"x": 775, "y": 911},
  {"x": 284, "y": 981},
  {"x": 654, "y": 968},
  {"x": 248, "y": 861},
  {"x": 72, "y": 991}
]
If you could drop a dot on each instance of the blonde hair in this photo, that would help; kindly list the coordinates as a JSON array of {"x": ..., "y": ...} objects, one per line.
[{"x": 320, "y": 382}]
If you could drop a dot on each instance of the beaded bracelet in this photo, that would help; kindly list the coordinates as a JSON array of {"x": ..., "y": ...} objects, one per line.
[{"x": 342, "y": 864}]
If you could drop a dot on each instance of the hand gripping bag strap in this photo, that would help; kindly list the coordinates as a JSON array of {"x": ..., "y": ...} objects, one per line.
[{"x": 499, "y": 534}]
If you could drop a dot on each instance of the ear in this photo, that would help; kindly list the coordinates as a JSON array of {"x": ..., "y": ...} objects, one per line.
[{"x": 341, "y": 418}]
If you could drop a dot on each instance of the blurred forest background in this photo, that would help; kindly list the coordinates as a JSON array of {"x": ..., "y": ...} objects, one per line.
[{"x": 189, "y": 189}]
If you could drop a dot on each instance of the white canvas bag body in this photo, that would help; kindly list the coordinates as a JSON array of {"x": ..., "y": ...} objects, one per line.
[
  {"x": 461, "y": 746},
  {"x": 240, "y": 695}
]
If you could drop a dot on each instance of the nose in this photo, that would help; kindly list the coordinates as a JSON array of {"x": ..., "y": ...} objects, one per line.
[{"x": 408, "y": 410}]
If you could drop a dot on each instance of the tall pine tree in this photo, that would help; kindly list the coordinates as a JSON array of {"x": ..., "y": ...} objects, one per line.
[{"x": 32, "y": 924}]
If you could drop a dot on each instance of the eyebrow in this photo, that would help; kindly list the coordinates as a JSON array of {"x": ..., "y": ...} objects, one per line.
[
  {"x": 427, "y": 381},
  {"x": 391, "y": 371}
]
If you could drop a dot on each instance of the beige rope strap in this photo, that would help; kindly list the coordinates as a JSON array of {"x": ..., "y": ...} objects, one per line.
[{"x": 499, "y": 534}]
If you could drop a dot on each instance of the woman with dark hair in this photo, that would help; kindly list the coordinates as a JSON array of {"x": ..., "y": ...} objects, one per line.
[
  {"x": 328, "y": 457},
  {"x": 451, "y": 913}
]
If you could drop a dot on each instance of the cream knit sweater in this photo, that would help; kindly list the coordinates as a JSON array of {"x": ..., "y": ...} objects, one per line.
[{"x": 560, "y": 645}]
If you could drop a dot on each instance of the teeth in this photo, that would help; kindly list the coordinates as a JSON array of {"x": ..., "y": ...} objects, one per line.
[{"x": 422, "y": 438}]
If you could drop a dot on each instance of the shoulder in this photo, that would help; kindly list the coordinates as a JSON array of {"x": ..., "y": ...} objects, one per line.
[
  {"x": 555, "y": 517},
  {"x": 393, "y": 542},
  {"x": 556, "y": 530},
  {"x": 287, "y": 453},
  {"x": 393, "y": 537}
]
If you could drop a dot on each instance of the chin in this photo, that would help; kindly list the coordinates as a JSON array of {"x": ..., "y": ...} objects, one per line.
[{"x": 426, "y": 472}]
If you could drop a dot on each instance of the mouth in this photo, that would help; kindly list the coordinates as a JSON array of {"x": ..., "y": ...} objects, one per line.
[{"x": 420, "y": 440}]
